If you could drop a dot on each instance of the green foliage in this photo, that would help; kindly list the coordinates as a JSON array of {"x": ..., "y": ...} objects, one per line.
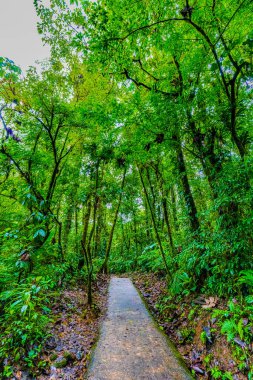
[
  {"x": 186, "y": 335},
  {"x": 236, "y": 321},
  {"x": 24, "y": 320},
  {"x": 164, "y": 306},
  {"x": 203, "y": 337},
  {"x": 8, "y": 69},
  {"x": 236, "y": 324},
  {"x": 181, "y": 283},
  {"x": 230, "y": 329},
  {"x": 246, "y": 277},
  {"x": 216, "y": 373},
  {"x": 161, "y": 94},
  {"x": 122, "y": 265},
  {"x": 150, "y": 260}
]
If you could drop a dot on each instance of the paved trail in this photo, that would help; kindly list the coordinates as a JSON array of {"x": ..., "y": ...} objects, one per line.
[{"x": 130, "y": 345}]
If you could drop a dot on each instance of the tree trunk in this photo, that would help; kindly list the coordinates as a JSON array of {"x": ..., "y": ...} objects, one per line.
[
  {"x": 188, "y": 197},
  {"x": 154, "y": 224},
  {"x": 104, "y": 268},
  {"x": 174, "y": 208},
  {"x": 160, "y": 180}
]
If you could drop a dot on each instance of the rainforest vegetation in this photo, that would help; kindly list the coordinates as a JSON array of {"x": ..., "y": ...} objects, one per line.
[{"x": 131, "y": 149}]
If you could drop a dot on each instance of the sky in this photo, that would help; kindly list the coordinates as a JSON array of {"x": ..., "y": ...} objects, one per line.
[{"x": 19, "y": 39}]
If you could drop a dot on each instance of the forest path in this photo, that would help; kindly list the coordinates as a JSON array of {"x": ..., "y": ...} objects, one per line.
[{"x": 131, "y": 347}]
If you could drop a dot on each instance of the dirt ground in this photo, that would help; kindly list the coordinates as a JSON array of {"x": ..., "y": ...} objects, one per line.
[{"x": 73, "y": 332}]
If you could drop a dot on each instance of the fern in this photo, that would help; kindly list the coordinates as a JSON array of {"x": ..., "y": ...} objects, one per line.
[
  {"x": 246, "y": 277},
  {"x": 180, "y": 282},
  {"x": 240, "y": 328},
  {"x": 249, "y": 299},
  {"x": 230, "y": 329}
]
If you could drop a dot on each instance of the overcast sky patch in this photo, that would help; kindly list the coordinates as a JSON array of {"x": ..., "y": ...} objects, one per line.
[{"x": 19, "y": 38}]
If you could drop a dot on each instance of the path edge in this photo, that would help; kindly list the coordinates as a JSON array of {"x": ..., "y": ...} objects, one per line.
[
  {"x": 94, "y": 346},
  {"x": 171, "y": 345}
]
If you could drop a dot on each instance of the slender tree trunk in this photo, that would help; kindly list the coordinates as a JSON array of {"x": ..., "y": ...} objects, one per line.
[
  {"x": 188, "y": 197},
  {"x": 174, "y": 208},
  {"x": 104, "y": 268},
  {"x": 67, "y": 226},
  {"x": 154, "y": 224},
  {"x": 97, "y": 240},
  {"x": 167, "y": 222},
  {"x": 86, "y": 220},
  {"x": 76, "y": 231},
  {"x": 135, "y": 239},
  {"x": 160, "y": 180},
  {"x": 86, "y": 245},
  {"x": 152, "y": 191},
  {"x": 147, "y": 224}
]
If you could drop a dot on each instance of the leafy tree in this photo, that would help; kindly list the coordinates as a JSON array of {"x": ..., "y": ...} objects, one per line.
[{"x": 131, "y": 150}]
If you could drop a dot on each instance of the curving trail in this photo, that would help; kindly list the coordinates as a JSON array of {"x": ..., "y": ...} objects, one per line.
[{"x": 131, "y": 347}]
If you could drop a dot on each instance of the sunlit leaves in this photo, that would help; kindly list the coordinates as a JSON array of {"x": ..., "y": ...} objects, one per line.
[{"x": 8, "y": 69}]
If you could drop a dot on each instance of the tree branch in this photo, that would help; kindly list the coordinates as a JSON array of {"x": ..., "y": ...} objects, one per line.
[{"x": 147, "y": 27}]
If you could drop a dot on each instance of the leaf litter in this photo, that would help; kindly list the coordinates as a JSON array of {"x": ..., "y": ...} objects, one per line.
[
  {"x": 73, "y": 332},
  {"x": 196, "y": 336}
]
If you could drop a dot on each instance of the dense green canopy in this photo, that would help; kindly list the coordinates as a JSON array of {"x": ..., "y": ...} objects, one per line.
[{"x": 131, "y": 149}]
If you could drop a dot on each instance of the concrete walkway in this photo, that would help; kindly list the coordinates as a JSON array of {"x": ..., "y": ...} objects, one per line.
[{"x": 130, "y": 345}]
